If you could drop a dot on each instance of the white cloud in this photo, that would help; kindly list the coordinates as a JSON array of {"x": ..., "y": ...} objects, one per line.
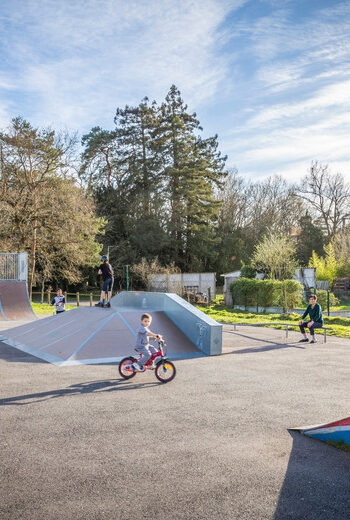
[
  {"x": 78, "y": 62},
  {"x": 326, "y": 98},
  {"x": 281, "y": 86}
]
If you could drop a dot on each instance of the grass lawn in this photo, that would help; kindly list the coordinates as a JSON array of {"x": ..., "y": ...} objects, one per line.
[
  {"x": 340, "y": 308},
  {"x": 218, "y": 311},
  {"x": 45, "y": 308}
]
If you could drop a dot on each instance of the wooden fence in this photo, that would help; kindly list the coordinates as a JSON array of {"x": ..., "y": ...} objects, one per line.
[{"x": 76, "y": 298}]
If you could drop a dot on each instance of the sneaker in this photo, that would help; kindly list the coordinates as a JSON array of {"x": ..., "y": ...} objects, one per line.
[
  {"x": 137, "y": 367},
  {"x": 314, "y": 340},
  {"x": 108, "y": 304},
  {"x": 304, "y": 340},
  {"x": 99, "y": 304}
]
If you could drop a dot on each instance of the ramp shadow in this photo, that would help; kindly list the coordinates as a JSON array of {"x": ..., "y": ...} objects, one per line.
[
  {"x": 109, "y": 385},
  {"x": 268, "y": 345},
  {"x": 14, "y": 355},
  {"x": 316, "y": 484}
]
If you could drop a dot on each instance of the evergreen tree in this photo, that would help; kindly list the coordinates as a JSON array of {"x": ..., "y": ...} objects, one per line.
[
  {"x": 98, "y": 167},
  {"x": 161, "y": 202},
  {"x": 193, "y": 167}
]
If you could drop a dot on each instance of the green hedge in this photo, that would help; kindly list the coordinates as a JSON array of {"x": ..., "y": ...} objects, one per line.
[{"x": 267, "y": 293}]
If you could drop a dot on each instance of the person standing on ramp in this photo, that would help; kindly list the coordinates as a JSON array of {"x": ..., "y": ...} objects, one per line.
[{"x": 107, "y": 273}]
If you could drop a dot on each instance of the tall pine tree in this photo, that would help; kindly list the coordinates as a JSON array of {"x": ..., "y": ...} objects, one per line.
[{"x": 192, "y": 168}]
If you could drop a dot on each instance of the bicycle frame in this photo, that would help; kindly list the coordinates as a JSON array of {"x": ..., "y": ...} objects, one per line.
[{"x": 159, "y": 352}]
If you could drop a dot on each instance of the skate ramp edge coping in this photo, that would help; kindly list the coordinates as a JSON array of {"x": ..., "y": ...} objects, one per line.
[{"x": 204, "y": 332}]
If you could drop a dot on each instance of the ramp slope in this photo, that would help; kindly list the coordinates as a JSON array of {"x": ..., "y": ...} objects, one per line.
[
  {"x": 14, "y": 300},
  {"x": 92, "y": 335}
]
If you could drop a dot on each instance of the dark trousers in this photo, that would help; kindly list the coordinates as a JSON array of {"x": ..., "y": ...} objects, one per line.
[
  {"x": 107, "y": 284},
  {"x": 316, "y": 325}
]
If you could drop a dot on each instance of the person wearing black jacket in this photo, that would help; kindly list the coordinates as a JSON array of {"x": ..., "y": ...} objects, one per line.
[
  {"x": 316, "y": 320},
  {"x": 106, "y": 271}
]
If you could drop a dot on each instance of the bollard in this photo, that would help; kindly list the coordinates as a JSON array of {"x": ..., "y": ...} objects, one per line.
[
  {"x": 78, "y": 302},
  {"x": 328, "y": 303},
  {"x": 91, "y": 299},
  {"x": 49, "y": 297}
]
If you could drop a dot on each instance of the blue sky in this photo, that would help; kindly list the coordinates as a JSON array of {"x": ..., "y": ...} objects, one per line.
[{"x": 270, "y": 77}]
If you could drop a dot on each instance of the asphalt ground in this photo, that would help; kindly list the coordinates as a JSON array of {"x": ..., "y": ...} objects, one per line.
[{"x": 80, "y": 443}]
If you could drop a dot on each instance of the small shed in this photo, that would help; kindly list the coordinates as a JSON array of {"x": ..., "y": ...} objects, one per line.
[{"x": 184, "y": 283}]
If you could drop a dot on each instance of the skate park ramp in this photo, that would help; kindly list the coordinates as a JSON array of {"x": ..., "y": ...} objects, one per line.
[
  {"x": 204, "y": 332},
  {"x": 14, "y": 301},
  {"x": 336, "y": 432},
  {"x": 94, "y": 335}
]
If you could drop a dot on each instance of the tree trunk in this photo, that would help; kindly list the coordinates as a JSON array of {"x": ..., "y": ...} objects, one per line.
[{"x": 33, "y": 249}]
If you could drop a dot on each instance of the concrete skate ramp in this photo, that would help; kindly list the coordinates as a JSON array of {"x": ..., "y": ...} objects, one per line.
[
  {"x": 93, "y": 335},
  {"x": 200, "y": 329},
  {"x": 14, "y": 301}
]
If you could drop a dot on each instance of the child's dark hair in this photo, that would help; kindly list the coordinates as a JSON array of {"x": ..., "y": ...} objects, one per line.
[{"x": 146, "y": 316}]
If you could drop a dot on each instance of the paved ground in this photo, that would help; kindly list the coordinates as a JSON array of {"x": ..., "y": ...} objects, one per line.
[{"x": 78, "y": 443}]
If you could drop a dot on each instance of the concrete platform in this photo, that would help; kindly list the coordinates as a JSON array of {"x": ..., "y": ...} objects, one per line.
[{"x": 92, "y": 336}]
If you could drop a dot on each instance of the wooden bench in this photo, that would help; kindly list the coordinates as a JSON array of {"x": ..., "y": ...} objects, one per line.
[{"x": 287, "y": 325}]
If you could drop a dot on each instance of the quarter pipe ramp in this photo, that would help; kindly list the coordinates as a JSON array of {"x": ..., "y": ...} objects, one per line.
[{"x": 14, "y": 301}]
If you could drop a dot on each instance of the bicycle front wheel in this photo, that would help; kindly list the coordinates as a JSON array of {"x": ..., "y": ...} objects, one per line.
[{"x": 165, "y": 371}]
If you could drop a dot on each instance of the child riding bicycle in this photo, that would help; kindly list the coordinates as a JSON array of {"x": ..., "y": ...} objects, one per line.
[{"x": 142, "y": 344}]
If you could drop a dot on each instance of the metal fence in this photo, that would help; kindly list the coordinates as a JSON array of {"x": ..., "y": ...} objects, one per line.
[{"x": 14, "y": 266}]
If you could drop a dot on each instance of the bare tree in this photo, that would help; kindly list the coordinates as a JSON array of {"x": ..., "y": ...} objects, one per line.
[
  {"x": 329, "y": 197},
  {"x": 274, "y": 255}
]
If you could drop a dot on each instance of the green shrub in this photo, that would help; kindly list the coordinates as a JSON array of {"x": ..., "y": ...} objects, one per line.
[
  {"x": 244, "y": 291},
  {"x": 291, "y": 294},
  {"x": 266, "y": 293},
  {"x": 248, "y": 271}
]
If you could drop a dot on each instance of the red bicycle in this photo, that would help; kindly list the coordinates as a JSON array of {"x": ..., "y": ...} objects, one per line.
[{"x": 165, "y": 370}]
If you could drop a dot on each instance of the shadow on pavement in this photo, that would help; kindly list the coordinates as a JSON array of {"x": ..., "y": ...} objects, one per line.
[
  {"x": 14, "y": 355},
  {"x": 316, "y": 484},
  {"x": 77, "y": 389},
  {"x": 268, "y": 345}
]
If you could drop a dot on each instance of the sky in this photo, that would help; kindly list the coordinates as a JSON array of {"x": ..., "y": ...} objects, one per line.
[{"x": 270, "y": 77}]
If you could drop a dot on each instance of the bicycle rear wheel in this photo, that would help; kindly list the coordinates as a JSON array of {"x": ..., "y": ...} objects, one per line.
[
  {"x": 165, "y": 371},
  {"x": 124, "y": 368}
]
